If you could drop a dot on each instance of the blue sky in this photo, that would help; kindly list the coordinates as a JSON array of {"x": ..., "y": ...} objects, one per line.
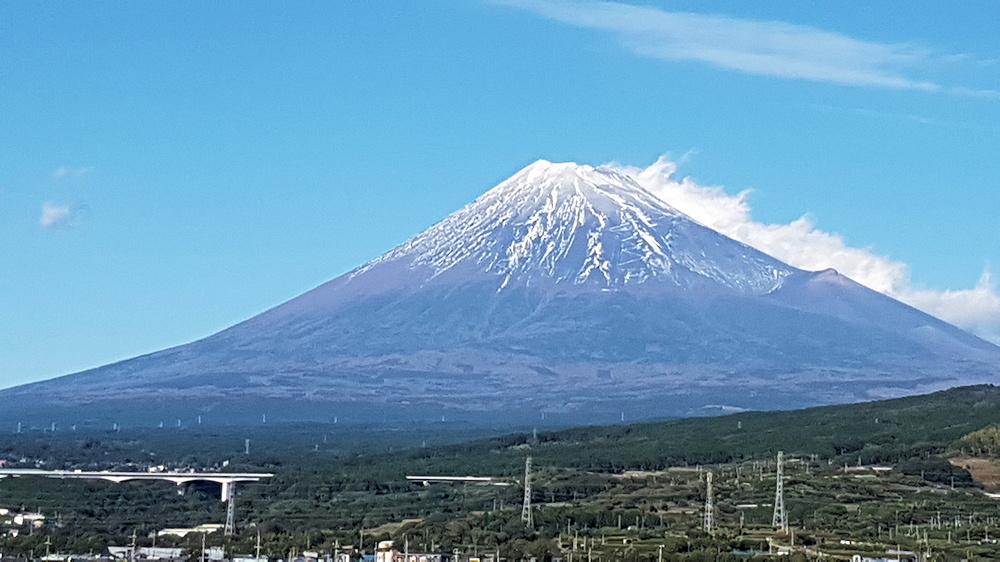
[{"x": 169, "y": 169}]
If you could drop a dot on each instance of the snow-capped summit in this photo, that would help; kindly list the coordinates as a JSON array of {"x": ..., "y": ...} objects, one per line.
[{"x": 567, "y": 223}]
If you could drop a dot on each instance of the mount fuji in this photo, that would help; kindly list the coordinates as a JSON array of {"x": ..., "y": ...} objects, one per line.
[{"x": 566, "y": 290}]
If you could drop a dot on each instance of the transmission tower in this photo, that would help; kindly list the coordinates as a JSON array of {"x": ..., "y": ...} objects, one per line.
[
  {"x": 230, "y": 498},
  {"x": 526, "y": 508},
  {"x": 780, "y": 520},
  {"x": 709, "y": 506}
]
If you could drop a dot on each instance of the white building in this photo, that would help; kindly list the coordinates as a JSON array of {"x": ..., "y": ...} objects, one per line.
[{"x": 386, "y": 552}]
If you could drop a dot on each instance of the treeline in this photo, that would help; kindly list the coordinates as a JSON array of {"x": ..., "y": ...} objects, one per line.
[
  {"x": 332, "y": 483},
  {"x": 983, "y": 442},
  {"x": 886, "y": 431}
]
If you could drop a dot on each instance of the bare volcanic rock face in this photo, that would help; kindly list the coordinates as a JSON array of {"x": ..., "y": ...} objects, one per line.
[{"x": 566, "y": 290}]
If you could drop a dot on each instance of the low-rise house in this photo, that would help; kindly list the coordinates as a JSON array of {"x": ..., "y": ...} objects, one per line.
[
  {"x": 146, "y": 553},
  {"x": 206, "y": 528},
  {"x": 35, "y": 520},
  {"x": 249, "y": 558},
  {"x": 386, "y": 552}
]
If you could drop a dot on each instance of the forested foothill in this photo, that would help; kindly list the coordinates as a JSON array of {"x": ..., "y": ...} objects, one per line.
[{"x": 859, "y": 479}]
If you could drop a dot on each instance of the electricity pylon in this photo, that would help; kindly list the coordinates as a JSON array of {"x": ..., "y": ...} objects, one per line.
[
  {"x": 709, "y": 505},
  {"x": 780, "y": 519},
  {"x": 526, "y": 517}
]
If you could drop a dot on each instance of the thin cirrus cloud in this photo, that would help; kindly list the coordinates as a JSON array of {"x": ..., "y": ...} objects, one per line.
[
  {"x": 799, "y": 243},
  {"x": 765, "y": 48}
]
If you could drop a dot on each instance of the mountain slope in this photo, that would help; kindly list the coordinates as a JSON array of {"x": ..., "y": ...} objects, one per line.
[{"x": 567, "y": 290}]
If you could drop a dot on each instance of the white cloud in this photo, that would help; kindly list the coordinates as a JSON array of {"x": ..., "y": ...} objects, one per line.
[
  {"x": 977, "y": 310},
  {"x": 56, "y": 215},
  {"x": 801, "y": 244},
  {"x": 766, "y": 48},
  {"x": 66, "y": 172}
]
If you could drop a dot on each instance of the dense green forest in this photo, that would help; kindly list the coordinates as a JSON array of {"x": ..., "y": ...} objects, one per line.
[{"x": 339, "y": 485}]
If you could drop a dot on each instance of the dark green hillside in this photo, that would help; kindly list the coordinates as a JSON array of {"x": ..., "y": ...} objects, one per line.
[
  {"x": 886, "y": 430},
  {"x": 332, "y": 482},
  {"x": 883, "y": 431}
]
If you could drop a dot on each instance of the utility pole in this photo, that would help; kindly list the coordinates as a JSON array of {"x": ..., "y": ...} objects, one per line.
[
  {"x": 526, "y": 517},
  {"x": 709, "y": 507},
  {"x": 780, "y": 519}
]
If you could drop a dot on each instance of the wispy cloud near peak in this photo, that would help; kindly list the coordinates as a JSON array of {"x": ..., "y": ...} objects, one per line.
[
  {"x": 765, "y": 48},
  {"x": 801, "y": 244}
]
